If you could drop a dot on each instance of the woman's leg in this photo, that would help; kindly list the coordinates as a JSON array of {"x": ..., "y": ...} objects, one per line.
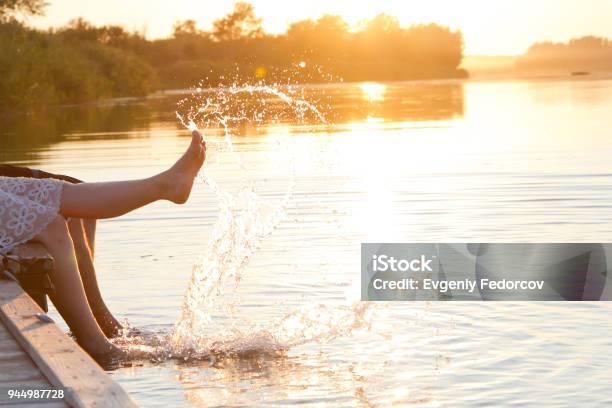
[
  {"x": 69, "y": 297},
  {"x": 90, "y": 226},
  {"x": 107, "y": 200},
  {"x": 107, "y": 322}
]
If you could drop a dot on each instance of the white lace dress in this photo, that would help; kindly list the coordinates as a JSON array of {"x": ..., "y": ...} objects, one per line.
[{"x": 27, "y": 206}]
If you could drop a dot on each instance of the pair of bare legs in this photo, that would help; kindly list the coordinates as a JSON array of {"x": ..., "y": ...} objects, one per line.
[
  {"x": 96, "y": 201},
  {"x": 82, "y": 234}
]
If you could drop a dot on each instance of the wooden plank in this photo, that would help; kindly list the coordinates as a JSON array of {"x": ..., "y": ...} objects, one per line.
[
  {"x": 10, "y": 350},
  {"x": 5, "y": 336},
  {"x": 40, "y": 402},
  {"x": 19, "y": 373},
  {"x": 41, "y": 384},
  {"x": 35, "y": 404},
  {"x": 32, "y": 264},
  {"x": 7, "y": 341},
  {"x": 31, "y": 251},
  {"x": 17, "y": 367},
  {"x": 59, "y": 357},
  {"x": 21, "y": 369},
  {"x": 8, "y": 347},
  {"x": 22, "y": 374}
]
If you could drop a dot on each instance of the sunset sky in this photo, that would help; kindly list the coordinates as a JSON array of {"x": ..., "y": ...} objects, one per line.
[{"x": 489, "y": 27}]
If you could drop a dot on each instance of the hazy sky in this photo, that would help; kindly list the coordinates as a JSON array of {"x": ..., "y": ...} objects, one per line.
[{"x": 489, "y": 26}]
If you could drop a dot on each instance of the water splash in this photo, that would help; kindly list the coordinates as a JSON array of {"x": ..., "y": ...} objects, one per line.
[
  {"x": 245, "y": 219},
  {"x": 317, "y": 323},
  {"x": 309, "y": 324}
]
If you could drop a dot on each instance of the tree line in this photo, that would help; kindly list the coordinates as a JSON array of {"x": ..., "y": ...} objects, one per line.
[
  {"x": 577, "y": 55},
  {"x": 82, "y": 62}
]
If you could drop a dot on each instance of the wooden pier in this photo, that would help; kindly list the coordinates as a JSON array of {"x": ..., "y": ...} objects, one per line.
[{"x": 35, "y": 354}]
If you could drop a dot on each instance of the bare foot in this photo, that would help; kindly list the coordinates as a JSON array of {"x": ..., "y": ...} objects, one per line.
[
  {"x": 111, "y": 357},
  {"x": 176, "y": 182},
  {"x": 106, "y": 350}
]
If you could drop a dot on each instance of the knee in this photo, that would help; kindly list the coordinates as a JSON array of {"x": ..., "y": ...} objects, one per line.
[
  {"x": 89, "y": 222},
  {"x": 56, "y": 233},
  {"x": 75, "y": 225},
  {"x": 77, "y": 231}
]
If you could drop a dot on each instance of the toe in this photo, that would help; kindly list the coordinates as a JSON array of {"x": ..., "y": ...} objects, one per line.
[{"x": 197, "y": 136}]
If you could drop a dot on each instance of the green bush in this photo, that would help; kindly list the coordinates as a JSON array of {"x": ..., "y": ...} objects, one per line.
[
  {"x": 44, "y": 68},
  {"x": 82, "y": 62}
]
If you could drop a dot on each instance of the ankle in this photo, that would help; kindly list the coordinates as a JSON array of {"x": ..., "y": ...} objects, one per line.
[
  {"x": 98, "y": 349},
  {"x": 162, "y": 185}
]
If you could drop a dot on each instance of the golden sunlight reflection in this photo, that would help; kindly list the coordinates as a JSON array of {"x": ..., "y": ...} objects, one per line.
[
  {"x": 259, "y": 374},
  {"x": 373, "y": 91},
  {"x": 375, "y": 216},
  {"x": 504, "y": 161},
  {"x": 373, "y": 119}
]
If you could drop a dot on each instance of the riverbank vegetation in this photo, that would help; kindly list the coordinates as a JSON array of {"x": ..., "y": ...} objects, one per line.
[
  {"x": 39, "y": 68},
  {"x": 584, "y": 56},
  {"x": 81, "y": 62},
  {"x": 63, "y": 66},
  {"x": 579, "y": 55}
]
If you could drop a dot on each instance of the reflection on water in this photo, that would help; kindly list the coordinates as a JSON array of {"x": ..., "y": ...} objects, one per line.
[
  {"x": 373, "y": 91},
  {"x": 23, "y": 136},
  {"x": 247, "y": 380},
  {"x": 482, "y": 162}
]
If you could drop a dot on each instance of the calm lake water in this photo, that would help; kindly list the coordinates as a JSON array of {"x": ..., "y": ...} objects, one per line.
[{"x": 515, "y": 161}]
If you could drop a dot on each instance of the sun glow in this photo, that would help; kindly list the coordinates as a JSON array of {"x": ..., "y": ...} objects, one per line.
[
  {"x": 373, "y": 91},
  {"x": 489, "y": 27}
]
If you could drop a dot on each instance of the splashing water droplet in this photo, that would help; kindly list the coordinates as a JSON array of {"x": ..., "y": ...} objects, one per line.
[
  {"x": 192, "y": 126},
  {"x": 245, "y": 219}
]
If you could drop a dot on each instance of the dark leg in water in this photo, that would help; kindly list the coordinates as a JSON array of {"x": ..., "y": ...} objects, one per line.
[
  {"x": 107, "y": 322},
  {"x": 69, "y": 297}
]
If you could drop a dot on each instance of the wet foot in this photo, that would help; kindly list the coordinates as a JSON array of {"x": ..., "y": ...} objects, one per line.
[
  {"x": 112, "y": 358},
  {"x": 177, "y": 181},
  {"x": 106, "y": 352}
]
